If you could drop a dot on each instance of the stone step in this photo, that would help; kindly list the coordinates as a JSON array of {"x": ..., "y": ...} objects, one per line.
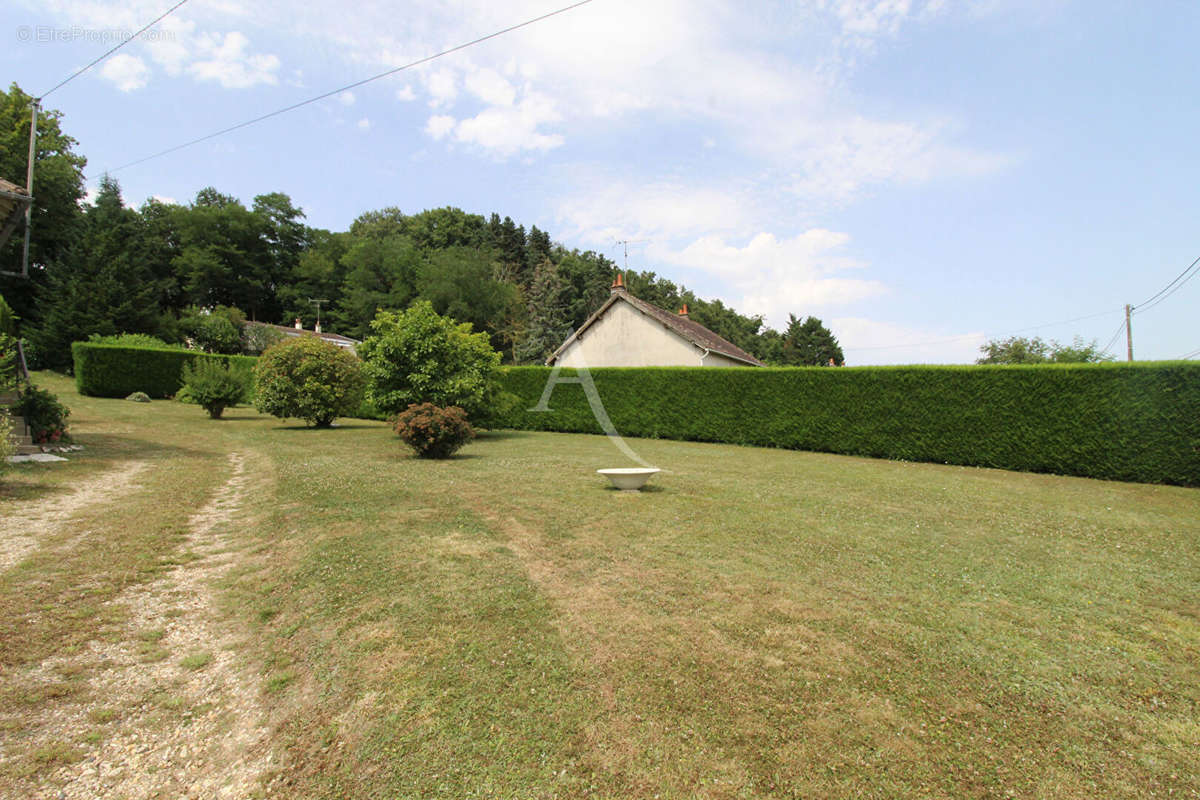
[{"x": 27, "y": 449}]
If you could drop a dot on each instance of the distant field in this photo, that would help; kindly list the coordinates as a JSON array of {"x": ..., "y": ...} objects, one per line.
[{"x": 764, "y": 623}]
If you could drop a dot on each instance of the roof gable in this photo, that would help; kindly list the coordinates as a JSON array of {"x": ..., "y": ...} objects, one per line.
[{"x": 689, "y": 330}]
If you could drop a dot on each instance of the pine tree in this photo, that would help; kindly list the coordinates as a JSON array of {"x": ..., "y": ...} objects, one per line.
[
  {"x": 99, "y": 285},
  {"x": 810, "y": 344},
  {"x": 548, "y": 323}
]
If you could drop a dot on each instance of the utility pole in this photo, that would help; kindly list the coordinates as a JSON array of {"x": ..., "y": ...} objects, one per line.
[
  {"x": 1128, "y": 333},
  {"x": 28, "y": 197},
  {"x": 33, "y": 115}
]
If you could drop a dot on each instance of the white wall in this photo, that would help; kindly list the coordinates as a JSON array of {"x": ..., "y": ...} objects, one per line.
[
  {"x": 718, "y": 360},
  {"x": 625, "y": 337}
]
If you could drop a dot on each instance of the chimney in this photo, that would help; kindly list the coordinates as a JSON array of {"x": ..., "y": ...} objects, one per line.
[
  {"x": 299, "y": 324},
  {"x": 683, "y": 311},
  {"x": 317, "y": 328},
  {"x": 618, "y": 284}
]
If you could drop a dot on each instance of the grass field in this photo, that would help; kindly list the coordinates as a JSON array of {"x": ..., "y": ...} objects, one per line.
[{"x": 762, "y": 624}]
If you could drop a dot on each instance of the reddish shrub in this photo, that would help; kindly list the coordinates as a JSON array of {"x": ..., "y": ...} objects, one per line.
[{"x": 433, "y": 432}]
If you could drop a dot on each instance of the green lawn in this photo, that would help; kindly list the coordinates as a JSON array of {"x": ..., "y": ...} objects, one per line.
[{"x": 764, "y": 623}]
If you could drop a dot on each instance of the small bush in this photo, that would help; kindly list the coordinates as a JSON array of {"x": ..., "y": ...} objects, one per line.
[
  {"x": 213, "y": 386},
  {"x": 433, "y": 432},
  {"x": 139, "y": 397},
  {"x": 45, "y": 416},
  {"x": 309, "y": 379}
]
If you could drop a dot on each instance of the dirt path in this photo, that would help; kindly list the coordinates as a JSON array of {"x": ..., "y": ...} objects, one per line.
[
  {"x": 180, "y": 717},
  {"x": 29, "y": 523}
]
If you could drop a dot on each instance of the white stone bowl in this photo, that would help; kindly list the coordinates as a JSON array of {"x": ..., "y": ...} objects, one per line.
[{"x": 629, "y": 479}]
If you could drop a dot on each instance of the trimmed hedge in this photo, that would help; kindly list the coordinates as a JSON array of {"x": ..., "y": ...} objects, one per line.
[
  {"x": 105, "y": 370},
  {"x": 1129, "y": 422}
]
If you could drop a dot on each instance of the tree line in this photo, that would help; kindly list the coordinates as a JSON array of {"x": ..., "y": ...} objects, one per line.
[{"x": 103, "y": 268}]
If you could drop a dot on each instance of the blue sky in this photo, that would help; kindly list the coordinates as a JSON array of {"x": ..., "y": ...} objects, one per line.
[{"x": 921, "y": 174}]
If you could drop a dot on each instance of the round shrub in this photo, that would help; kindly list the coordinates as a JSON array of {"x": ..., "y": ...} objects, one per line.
[
  {"x": 309, "y": 379},
  {"x": 212, "y": 385},
  {"x": 433, "y": 432},
  {"x": 45, "y": 416},
  {"x": 419, "y": 356}
]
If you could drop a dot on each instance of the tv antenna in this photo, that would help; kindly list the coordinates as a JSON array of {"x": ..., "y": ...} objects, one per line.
[
  {"x": 317, "y": 302},
  {"x": 625, "y": 243}
]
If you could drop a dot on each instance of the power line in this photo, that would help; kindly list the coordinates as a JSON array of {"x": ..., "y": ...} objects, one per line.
[
  {"x": 1192, "y": 354},
  {"x": 354, "y": 85},
  {"x": 975, "y": 335},
  {"x": 121, "y": 44},
  {"x": 1115, "y": 336},
  {"x": 1174, "y": 286}
]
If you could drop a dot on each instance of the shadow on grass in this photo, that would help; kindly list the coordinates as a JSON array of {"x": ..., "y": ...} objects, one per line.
[
  {"x": 336, "y": 427},
  {"x": 26, "y": 492},
  {"x": 500, "y": 435},
  {"x": 110, "y": 448},
  {"x": 647, "y": 489}
]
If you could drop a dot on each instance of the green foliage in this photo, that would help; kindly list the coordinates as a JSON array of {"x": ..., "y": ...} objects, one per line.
[
  {"x": 44, "y": 414},
  {"x": 419, "y": 356},
  {"x": 1130, "y": 422},
  {"x": 8, "y": 362},
  {"x": 1021, "y": 350},
  {"x": 257, "y": 338},
  {"x": 308, "y": 378},
  {"x": 213, "y": 386},
  {"x": 57, "y": 192},
  {"x": 548, "y": 325},
  {"x": 8, "y": 321},
  {"x": 809, "y": 344},
  {"x": 103, "y": 370},
  {"x": 433, "y": 432},
  {"x": 218, "y": 330},
  {"x": 6, "y": 444},
  {"x": 98, "y": 285},
  {"x": 132, "y": 340}
]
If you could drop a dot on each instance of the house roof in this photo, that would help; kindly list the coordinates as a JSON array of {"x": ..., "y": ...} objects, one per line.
[
  {"x": 678, "y": 324},
  {"x": 336, "y": 338}
]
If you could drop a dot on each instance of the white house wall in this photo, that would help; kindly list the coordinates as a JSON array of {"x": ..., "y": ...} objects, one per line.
[
  {"x": 718, "y": 360},
  {"x": 625, "y": 337}
]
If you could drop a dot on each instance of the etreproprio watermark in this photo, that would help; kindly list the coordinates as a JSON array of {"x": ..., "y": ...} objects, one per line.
[{"x": 47, "y": 34}]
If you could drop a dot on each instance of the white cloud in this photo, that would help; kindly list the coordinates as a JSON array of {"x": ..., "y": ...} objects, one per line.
[
  {"x": 346, "y": 98},
  {"x": 491, "y": 87},
  {"x": 867, "y": 341},
  {"x": 127, "y": 72},
  {"x": 406, "y": 94},
  {"x": 602, "y": 208},
  {"x": 504, "y": 131},
  {"x": 170, "y": 201},
  {"x": 167, "y": 44},
  {"x": 364, "y": 124},
  {"x": 775, "y": 276},
  {"x": 439, "y": 126},
  {"x": 442, "y": 87},
  {"x": 228, "y": 63}
]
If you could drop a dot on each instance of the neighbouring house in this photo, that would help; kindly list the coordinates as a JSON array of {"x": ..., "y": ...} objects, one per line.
[
  {"x": 297, "y": 329},
  {"x": 628, "y": 332}
]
